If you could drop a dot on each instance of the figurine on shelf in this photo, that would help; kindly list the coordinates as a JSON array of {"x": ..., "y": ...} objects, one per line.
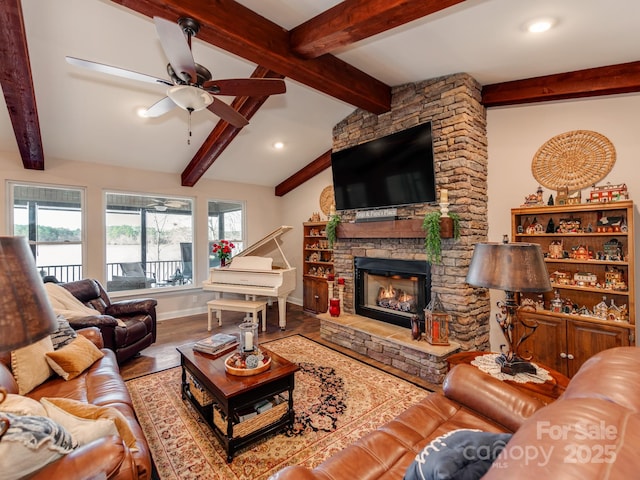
[
  {"x": 556, "y": 249},
  {"x": 535, "y": 199}
]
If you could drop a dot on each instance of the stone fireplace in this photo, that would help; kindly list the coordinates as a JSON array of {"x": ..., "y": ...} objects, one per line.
[{"x": 458, "y": 119}]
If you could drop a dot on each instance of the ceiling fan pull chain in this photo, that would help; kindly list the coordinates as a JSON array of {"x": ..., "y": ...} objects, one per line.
[{"x": 189, "y": 126}]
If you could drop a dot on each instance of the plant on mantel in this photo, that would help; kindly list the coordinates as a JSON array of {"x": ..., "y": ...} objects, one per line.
[
  {"x": 434, "y": 231},
  {"x": 332, "y": 229}
]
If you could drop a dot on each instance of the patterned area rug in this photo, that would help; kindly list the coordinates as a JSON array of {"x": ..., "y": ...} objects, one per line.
[{"x": 337, "y": 400}]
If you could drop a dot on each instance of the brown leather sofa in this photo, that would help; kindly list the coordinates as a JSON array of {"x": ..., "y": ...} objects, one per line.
[
  {"x": 591, "y": 432},
  {"x": 137, "y": 329},
  {"x": 102, "y": 385}
]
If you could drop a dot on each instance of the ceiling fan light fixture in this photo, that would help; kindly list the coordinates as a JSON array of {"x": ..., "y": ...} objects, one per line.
[{"x": 190, "y": 98}]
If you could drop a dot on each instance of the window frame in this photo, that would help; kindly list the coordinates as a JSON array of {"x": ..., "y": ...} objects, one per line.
[
  {"x": 165, "y": 280},
  {"x": 33, "y": 244}
]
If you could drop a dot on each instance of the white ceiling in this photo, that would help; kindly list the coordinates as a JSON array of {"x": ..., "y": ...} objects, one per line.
[{"x": 86, "y": 116}]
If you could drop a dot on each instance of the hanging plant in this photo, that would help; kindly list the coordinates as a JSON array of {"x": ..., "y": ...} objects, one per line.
[
  {"x": 332, "y": 227},
  {"x": 433, "y": 234}
]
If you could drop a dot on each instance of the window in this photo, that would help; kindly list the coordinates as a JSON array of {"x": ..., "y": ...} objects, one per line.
[
  {"x": 225, "y": 222},
  {"x": 51, "y": 217},
  {"x": 148, "y": 241}
]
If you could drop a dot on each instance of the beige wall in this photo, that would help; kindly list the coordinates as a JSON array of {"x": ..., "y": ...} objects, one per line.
[
  {"x": 297, "y": 207},
  {"x": 515, "y": 134},
  {"x": 263, "y": 214}
]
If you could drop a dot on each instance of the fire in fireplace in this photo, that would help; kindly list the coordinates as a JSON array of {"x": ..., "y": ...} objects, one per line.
[{"x": 391, "y": 290}]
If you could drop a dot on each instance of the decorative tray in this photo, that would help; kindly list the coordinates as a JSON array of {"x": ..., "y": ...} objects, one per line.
[{"x": 242, "y": 364}]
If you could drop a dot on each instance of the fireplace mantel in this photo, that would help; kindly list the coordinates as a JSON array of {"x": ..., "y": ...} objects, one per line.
[{"x": 410, "y": 228}]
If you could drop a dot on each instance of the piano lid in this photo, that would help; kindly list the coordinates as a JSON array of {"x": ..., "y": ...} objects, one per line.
[{"x": 269, "y": 246}]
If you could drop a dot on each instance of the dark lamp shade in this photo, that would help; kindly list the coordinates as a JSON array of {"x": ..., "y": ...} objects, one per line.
[
  {"x": 26, "y": 315},
  {"x": 513, "y": 267}
]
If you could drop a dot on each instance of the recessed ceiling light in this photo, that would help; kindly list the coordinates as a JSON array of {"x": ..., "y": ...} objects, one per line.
[
  {"x": 141, "y": 112},
  {"x": 278, "y": 145},
  {"x": 540, "y": 25}
]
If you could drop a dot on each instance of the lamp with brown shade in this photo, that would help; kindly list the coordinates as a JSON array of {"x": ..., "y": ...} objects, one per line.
[
  {"x": 514, "y": 268},
  {"x": 26, "y": 315}
]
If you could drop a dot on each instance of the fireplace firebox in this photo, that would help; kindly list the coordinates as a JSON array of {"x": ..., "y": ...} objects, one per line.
[{"x": 392, "y": 290}]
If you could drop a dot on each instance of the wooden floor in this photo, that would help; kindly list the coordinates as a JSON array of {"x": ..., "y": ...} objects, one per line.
[{"x": 174, "y": 332}]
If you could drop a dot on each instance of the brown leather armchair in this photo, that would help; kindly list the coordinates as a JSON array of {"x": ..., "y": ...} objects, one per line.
[{"x": 127, "y": 326}]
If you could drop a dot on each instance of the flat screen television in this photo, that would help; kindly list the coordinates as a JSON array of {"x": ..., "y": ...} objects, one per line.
[{"x": 397, "y": 169}]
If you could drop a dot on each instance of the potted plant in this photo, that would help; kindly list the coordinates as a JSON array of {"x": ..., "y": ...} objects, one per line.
[
  {"x": 436, "y": 228},
  {"x": 331, "y": 228}
]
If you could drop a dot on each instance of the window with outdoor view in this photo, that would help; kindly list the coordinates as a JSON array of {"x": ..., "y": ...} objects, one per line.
[
  {"x": 51, "y": 217},
  {"x": 149, "y": 241},
  {"x": 226, "y": 222}
]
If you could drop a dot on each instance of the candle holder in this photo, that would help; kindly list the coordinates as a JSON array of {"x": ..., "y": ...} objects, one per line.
[
  {"x": 248, "y": 336},
  {"x": 444, "y": 209}
]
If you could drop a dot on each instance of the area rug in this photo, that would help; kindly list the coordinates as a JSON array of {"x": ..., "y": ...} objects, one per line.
[{"x": 337, "y": 400}]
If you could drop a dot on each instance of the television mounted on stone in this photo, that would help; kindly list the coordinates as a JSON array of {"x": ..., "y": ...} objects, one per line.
[{"x": 393, "y": 170}]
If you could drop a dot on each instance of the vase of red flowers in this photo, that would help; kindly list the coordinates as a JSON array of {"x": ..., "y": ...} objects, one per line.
[{"x": 222, "y": 250}]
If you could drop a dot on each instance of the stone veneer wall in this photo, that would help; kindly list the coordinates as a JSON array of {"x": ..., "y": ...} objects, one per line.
[{"x": 452, "y": 104}]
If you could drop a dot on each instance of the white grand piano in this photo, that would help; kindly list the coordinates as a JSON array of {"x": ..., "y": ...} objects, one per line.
[{"x": 260, "y": 269}]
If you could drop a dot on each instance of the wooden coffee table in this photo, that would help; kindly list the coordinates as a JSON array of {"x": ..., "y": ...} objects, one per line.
[{"x": 224, "y": 400}]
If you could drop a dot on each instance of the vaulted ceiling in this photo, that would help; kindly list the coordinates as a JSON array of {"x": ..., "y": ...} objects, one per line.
[{"x": 334, "y": 56}]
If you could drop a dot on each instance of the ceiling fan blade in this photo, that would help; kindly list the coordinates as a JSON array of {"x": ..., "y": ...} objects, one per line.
[
  {"x": 227, "y": 113},
  {"x": 119, "y": 72},
  {"x": 246, "y": 87},
  {"x": 160, "y": 108},
  {"x": 176, "y": 48}
]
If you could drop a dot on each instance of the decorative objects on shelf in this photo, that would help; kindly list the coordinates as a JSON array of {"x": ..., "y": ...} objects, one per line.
[
  {"x": 609, "y": 193},
  {"x": 223, "y": 250},
  {"x": 514, "y": 268},
  {"x": 573, "y": 160},
  {"x": 433, "y": 237},
  {"x": 436, "y": 322},
  {"x": 26, "y": 315}
]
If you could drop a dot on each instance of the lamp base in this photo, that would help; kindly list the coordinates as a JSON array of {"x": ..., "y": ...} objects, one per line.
[{"x": 515, "y": 365}]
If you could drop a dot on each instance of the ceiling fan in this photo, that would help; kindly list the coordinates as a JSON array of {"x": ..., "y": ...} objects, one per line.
[
  {"x": 191, "y": 86},
  {"x": 161, "y": 205}
]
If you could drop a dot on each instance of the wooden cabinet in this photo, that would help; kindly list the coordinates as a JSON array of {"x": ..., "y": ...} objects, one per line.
[
  {"x": 564, "y": 344},
  {"x": 317, "y": 260},
  {"x": 589, "y": 252}
]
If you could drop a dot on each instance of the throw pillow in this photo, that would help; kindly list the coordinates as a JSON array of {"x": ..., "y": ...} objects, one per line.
[
  {"x": 94, "y": 412},
  {"x": 30, "y": 443},
  {"x": 64, "y": 335},
  {"x": 29, "y": 365},
  {"x": 464, "y": 454},
  {"x": 73, "y": 359},
  {"x": 19, "y": 405},
  {"x": 82, "y": 430}
]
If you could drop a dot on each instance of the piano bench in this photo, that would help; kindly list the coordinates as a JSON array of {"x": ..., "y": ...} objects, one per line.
[{"x": 237, "y": 305}]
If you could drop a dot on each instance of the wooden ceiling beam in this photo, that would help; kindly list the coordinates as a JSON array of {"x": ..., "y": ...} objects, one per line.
[
  {"x": 17, "y": 84},
  {"x": 239, "y": 30},
  {"x": 591, "y": 82},
  {"x": 223, "y": 133},
  {"x": 354, "y": 20},
  {"x": 306, "y": 173}
]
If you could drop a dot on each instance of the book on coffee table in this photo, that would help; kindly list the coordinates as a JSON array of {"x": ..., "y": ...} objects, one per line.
[
  {"x": 218, "y": 353},
  {"x": 216, "y": 343}
]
